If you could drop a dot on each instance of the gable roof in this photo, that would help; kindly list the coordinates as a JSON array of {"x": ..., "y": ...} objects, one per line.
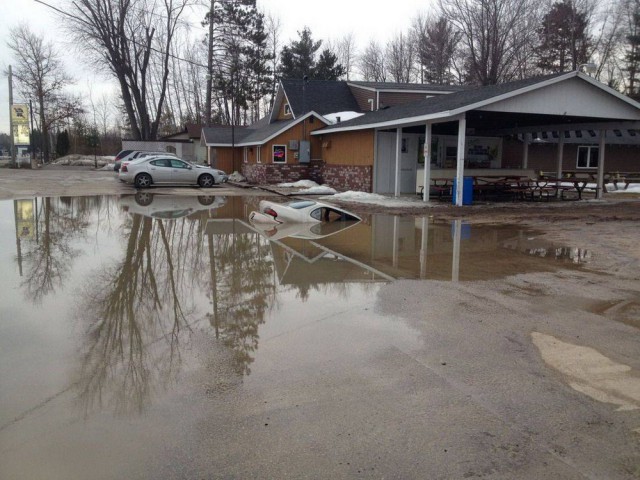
[
  {"x": 221, "y": 136},
  {"x": 444, "y": 106},
  {"x": 320, "y": 96}
]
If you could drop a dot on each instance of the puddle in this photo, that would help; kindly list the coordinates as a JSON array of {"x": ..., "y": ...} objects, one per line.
[
  {"x": 109, "y": 306},
  {"x": 591, "y": 373}
]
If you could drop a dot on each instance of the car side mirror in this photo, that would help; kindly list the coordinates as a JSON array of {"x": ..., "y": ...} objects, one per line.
[{"x": 190, "y": 167}]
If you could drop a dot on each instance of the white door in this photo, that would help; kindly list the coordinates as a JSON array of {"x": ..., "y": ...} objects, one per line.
[
  {"x": 385, "y": 163},
  {"x": 385, "y": 181},
  {"x": 408, "y": 163}
]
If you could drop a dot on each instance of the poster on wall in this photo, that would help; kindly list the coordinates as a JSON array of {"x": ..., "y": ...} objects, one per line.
[
  {"x": 20, "y": 121},
  {"x": 279, "y": 153}
]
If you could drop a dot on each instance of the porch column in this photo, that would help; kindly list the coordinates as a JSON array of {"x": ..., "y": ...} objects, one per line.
[
  {"x": 426, "y": 181},
  {"x": 559, "y": 160},
  {"x": 601, "y": 147},
  {"x": 462, "y": 131},
  {"x": 525, "y": 151},
  {"x": 398, "y": 153},
  {"x": 374, "y": 187}
]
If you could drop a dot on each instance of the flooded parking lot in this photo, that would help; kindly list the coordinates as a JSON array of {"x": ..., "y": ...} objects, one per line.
[{"x": 165, "y": 336}]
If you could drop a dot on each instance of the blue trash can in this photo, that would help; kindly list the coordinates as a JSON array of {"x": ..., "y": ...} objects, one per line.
[{"x": 467, "y": 191}]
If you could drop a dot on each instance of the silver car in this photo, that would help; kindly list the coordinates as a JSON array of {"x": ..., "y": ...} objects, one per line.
[{"x": 169, "y": 170}]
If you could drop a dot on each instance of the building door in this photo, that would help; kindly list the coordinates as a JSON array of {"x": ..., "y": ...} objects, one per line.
[{"x": 386, "y": 163}]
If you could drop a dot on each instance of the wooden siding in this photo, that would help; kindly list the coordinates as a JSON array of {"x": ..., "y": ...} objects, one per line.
[
  {"x": 349, "y": 148},
  {"x": 222, "y": 158},
  {"x": 390, "y": 99},
  {"x": 281, "y": 114},
  {"x": 362, "y": 97},
  {"x": 294, "y": 133}
]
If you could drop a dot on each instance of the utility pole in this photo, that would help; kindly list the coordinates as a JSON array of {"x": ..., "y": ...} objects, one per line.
[
  {"x": 13, "y": 147},
  {"x": 31, "y": 145},
  {"x": 207, "y": 107}
]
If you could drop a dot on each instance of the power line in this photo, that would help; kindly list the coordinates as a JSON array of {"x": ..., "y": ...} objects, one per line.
[{"x": 135, "y": 42}]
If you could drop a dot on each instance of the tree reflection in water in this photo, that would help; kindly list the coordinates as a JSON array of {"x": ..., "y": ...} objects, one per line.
[
  {"x": 139, "y": 312},
  {"x": 244, "y": 287},
  {"x": 47, "y": 254}
]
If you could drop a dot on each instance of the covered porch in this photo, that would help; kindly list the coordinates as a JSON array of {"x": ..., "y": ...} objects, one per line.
[{"x": 451, "y": 143}]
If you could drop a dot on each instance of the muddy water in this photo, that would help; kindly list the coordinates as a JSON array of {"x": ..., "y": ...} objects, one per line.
[{"x": 134, "y": 330}]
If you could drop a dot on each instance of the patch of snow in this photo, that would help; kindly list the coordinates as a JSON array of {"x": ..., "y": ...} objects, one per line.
[
  {"x": 344, "y": 116},
  {"x": 318, "y": 190},
  {"x": 108, "y": 166},
  {"x": 299, "y": 184},
  {"x": 76, "y": 160},
  {"x": 237, "y": 177},
  {"x": 632, "y": 188},
  {"x": 377, "y": 199}
]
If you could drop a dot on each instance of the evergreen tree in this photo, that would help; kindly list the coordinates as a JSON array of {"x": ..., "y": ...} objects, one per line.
[
  {"x": 62, "y": 143},
  {"x": 242, "y": 75},
  {"x": 563, "y": 39},
  {"x": 300, "y": 58},
  {"x": 328, "y": 67}
]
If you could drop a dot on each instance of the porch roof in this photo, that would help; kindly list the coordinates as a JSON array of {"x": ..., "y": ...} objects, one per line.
[{"x": 505, "y": 105}]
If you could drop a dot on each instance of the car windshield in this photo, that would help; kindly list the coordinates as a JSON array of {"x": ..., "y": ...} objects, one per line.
[{"x": 300, "y": 204}]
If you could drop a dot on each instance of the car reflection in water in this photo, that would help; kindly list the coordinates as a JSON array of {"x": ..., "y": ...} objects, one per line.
[
  {"x": 305, "y": 231},
  {"x": 169, "y": 206}
]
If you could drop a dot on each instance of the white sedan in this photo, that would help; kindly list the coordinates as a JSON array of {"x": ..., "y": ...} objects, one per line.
[
  {"x": 168, "y": 170},
  {"x": 301, "y": 211}
]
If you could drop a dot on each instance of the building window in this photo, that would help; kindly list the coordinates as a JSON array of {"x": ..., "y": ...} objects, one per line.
[
  {"x": 245, "y": 155},
  {"x": 588, "y": 157},
  {"x": 279, "y": 154},
  {"x": 258, "y": 154},
  {"x": 287, "y": 109},
  {"x": 170, "y": 149}
]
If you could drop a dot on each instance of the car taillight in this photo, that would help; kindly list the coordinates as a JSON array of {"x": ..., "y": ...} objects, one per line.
[
  {"x": 271, "y": 211},
  {"x": 123, "y": 168}
]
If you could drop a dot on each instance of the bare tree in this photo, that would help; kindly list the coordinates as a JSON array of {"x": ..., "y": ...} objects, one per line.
[
  {"x": 40, "y": 75},
  {"x": 401, "y": 56},
  {"x": 274, "y": 31},
  {"x": 373, "y": 63},
  {"x": 436, "y": 42},
  {"x": 132, "y": 39},
  {"x": 345, "y": 49},
  {"x": 487, "y": 28}
]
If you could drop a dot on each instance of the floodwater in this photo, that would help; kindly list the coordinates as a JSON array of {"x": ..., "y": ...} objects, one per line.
[{"x": 150, "y": 337}]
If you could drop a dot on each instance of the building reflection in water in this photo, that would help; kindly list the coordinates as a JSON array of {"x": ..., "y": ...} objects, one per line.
[{"x": 194, "y": 272}]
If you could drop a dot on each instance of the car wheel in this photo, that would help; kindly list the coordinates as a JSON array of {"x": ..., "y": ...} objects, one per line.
[
  {"x": 143, "y": 180},
  {"x": 206, "y": 199},
  {"x": 144, "y": 199},
  {"x": 206, "y": 180}
]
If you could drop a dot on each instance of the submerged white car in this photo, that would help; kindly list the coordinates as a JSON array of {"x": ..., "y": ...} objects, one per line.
[
  {"x": 301, "y": 211},
  {"x": 168, "y": 170}
]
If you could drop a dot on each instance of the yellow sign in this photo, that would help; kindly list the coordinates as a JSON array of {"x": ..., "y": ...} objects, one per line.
[{"x": 20, "y": 121}]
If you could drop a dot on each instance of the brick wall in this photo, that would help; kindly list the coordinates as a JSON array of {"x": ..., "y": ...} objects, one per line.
[
  {"x": 340, "y": 177},
  {"x": 263, "y": 174},
  {"x": 349, "y": 177}
]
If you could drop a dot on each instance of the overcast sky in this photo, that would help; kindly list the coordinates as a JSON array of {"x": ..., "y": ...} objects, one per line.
[{"x": 328, "y": 19}]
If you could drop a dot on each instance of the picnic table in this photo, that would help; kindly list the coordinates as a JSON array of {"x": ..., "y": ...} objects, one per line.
[{"x": 548, "y": 186}]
